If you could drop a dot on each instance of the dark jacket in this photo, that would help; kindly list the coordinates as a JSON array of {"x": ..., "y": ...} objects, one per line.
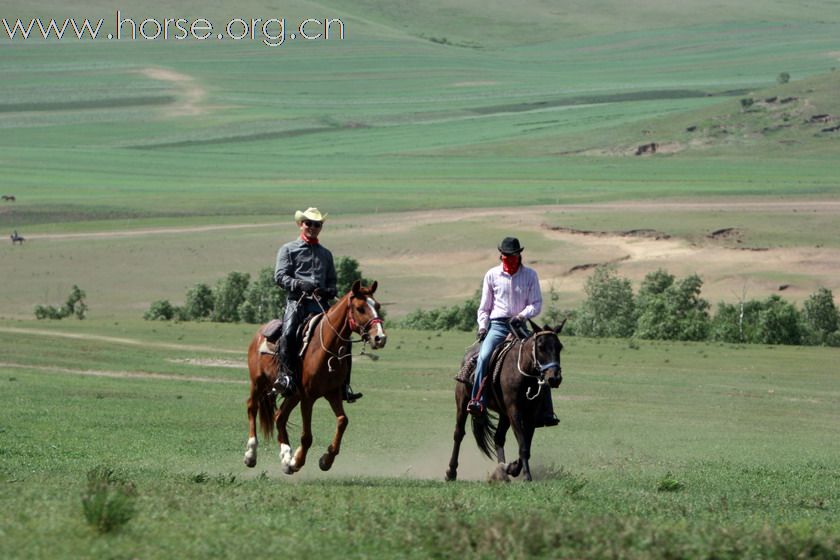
[{"x": 298, "y": 260}]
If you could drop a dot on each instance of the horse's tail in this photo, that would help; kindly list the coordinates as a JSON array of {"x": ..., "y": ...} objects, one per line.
[
  {"x": 268, "y": 406},
  {"x": 484, "y": 431}
]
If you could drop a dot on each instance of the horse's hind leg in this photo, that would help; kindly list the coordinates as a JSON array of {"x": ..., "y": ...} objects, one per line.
[
  {"x": 341, "y": 421},
  {"x": 305, "y": 437},
  {"x": 460, "y": 422},
  {"x": 283, "y": 413},
  {"x": 499, "y": 438},
  {"x": 253, "y": 410}
]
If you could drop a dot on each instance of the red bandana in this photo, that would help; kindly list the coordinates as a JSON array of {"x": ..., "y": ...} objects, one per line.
[
  {"x": 511, "y": 263},
  {"x": 309, "y": 240}
]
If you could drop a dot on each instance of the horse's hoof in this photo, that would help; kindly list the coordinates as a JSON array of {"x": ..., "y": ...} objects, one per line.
[
  {"x": 325, "y": 462},
  {"x": 513, "y": 469},
  {"x": 250, "y": 461},
  {"x": 287, "y": 469},
  {"x": 451, "y": 475}
]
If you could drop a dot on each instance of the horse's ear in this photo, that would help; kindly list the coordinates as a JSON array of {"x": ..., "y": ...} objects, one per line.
[
  {"x": 560, "y": 328},
  {"x": 535, "y": 327},
  {"x": 373, "y": 287},
  {"x": 355, "y": 288}
]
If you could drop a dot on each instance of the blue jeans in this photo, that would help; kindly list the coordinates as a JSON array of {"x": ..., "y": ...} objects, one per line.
[{"x": 497, "y": 333}]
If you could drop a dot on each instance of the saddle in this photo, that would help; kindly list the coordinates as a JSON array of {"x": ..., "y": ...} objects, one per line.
[
  {"x": 274, "y": 328},
  {"x": 466, "y": 374}
]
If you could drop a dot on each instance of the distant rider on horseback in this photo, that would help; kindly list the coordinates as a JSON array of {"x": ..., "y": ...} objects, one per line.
[
  {"x": 510, "y": 295},
  {"x": 305, "y": 269}
]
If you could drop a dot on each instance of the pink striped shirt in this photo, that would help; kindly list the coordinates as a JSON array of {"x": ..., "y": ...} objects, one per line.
[{"x": 503, "y": 295}]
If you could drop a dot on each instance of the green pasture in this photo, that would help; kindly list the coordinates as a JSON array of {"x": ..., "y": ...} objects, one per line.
[{"x": 747, "y": 433}]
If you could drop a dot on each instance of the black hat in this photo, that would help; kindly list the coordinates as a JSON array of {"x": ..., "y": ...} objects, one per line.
[{"x": 510, "y": 246}]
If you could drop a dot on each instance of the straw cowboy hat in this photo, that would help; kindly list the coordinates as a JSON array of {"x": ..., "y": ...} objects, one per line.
[{"x": 310, "y": 214}]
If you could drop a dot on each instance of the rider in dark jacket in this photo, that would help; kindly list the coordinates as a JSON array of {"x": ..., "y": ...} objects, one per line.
[{"x": 306, "y": 271}]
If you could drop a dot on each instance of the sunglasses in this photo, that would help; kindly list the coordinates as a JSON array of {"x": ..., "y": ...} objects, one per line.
[{"x": 310, "y": 223}]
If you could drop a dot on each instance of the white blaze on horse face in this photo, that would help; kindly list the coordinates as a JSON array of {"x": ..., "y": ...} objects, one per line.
[{"x": 380, "y": 334}]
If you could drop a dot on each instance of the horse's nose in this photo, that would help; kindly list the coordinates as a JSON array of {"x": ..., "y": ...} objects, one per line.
[
  {"x": 555, "y": 380},
  {"x": 379, "y": 341}
]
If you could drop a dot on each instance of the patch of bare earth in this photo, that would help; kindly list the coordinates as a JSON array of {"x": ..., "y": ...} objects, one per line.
[{"x": 190, "y": 94}]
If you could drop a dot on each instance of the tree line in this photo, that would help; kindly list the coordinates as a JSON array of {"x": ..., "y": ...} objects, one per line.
[
  {"x": 666, "y": 308},
  {"x": 239, "y": 299}
]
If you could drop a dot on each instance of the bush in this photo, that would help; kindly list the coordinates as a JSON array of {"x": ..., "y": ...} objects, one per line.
[
  {"x": 160, "y": 310},
  {"x": 670, "y": 310},
  {"x": 199, "y": 304},
  {"x": 228, "y": 296},
  {"x": 820, "y": 315},
  {"x": 75, "y": 305},
  {"x": 109, "y": 500},
  {"x": 609, "y": 308},
  {"x": 457, "y": 317},
  {"x": 263, "y": 300},
  {"x": 779, "y": 322}
]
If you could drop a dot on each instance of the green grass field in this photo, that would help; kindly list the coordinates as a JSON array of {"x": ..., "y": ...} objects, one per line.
[
  {"x": 747, "y": 432},
  {"x": 432, "y": 131}
]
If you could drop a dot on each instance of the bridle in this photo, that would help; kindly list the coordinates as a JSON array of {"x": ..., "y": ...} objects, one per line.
[
  {"x": 351, "y": 322},
  {"x": 537, "y": 366}
]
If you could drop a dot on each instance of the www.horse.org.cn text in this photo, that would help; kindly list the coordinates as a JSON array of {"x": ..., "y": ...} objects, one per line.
[{"x": 272, "y": 32}]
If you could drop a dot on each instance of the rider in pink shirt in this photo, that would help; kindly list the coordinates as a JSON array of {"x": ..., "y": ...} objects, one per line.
[{"x": 510, "y": 295}]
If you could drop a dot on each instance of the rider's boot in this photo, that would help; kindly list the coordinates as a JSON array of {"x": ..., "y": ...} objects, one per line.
[
  {"x": 546, "y": 417},
  {"x": 284, "y": 383},
  {"x": 348, "y": 393}
]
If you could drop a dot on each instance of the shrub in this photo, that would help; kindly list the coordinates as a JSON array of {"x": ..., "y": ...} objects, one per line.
[
  {"x": 199, "y": 304},
  {"x": 670, "y": 310},
  {"x": 609, "y": 308},
  {"x": 779, "y": 322},
  {"x": 783, "y": 78},
  {"x": 820, "y": 314},
  {"x": 109, "y": 500},
  {"x": 263, "y": 300},
  {"x": 75, "y": 305},
  {"x": 160, "y": 310},
  {"x": 228, "y": 296}
]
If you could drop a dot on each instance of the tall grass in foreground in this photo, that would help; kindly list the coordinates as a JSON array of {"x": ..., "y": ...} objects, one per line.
[{"x": 109, "y": 500}]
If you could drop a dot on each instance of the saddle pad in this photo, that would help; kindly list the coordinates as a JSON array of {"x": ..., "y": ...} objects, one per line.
[
  {"x": 467, "y": 372},
  {"x": 272, "y": 329}
]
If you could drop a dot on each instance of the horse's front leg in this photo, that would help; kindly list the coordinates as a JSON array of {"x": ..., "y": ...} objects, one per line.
[
  {"x": 282, "y": 419},
  {"x": 341, "y": 421},
  {"x": 305, "y": 437},
  {"x": 461, "y": 397}
]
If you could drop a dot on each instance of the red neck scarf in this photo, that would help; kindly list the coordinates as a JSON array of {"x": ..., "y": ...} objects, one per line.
[
  {"x": 309, "y": 240},
  {"x": 511, "y": 263}
]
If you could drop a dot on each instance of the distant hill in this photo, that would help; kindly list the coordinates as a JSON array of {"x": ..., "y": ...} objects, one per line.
[{"x": 798, "y": 117}]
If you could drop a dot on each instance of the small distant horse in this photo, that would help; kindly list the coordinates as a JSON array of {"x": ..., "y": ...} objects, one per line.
[
  {"x": 325, "y": 363},
  {"x": 8, "y": 197},
  {"x": 16, "y": 238},
  {"x": 516, "y": 395}
]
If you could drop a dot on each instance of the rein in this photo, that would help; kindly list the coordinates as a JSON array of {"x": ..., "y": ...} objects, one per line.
[
  {"x": 542, "y": 368},
  {"x": 354, "y": 327}
]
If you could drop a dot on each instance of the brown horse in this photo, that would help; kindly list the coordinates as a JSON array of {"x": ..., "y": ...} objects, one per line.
[
  {"x": 516, "y": 395},
  {"x": 325, "y": 364}
]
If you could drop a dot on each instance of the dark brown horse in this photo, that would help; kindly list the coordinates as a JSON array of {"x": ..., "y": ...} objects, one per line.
[
  {"x": 516, "y": 395},
  {"x": 324, "y": 366}
]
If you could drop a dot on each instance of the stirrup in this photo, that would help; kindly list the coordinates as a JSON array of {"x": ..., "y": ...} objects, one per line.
[
  {"x": 350, "y": 396},
  {"x": 284, "y": 385},
  {"x": 475, "y": 407}
]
